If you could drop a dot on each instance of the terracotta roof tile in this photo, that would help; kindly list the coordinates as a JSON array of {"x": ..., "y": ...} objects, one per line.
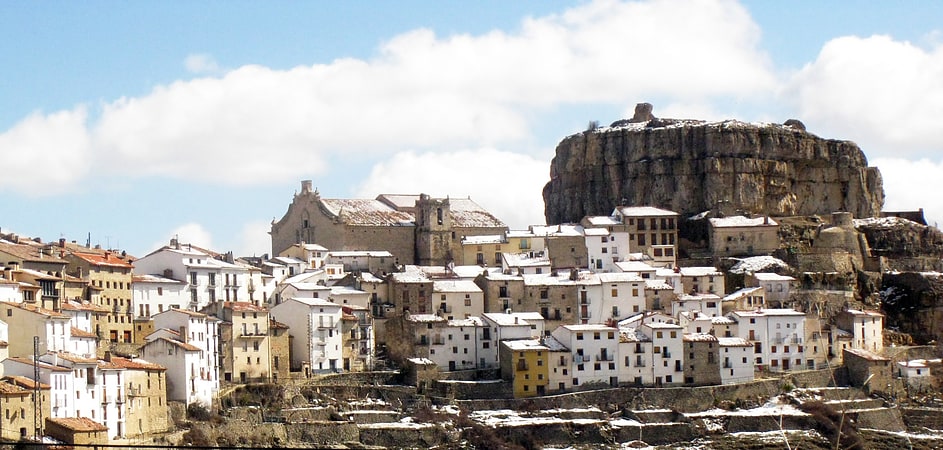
[{"x": 78, "y": 423}]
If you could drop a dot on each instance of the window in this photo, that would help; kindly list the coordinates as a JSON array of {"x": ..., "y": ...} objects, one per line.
[{"x": 615, "y": 292}]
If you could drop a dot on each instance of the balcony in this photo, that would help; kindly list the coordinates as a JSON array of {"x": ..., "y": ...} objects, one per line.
[
  {"x": 323, "y": 325},
  {"x": 606, "y": 358},
  {"x": 665, "y": 354},
  {"x": 422, "y": 341},
  {"x": 579, "y": 359},
  {"x": 438, "y": 340},
  {"x": 249, "y": 334},
  {"x": 727, "y": 365},
  {"x": 446, "y": 310},
  {"x": 639, "y": 363},
  {"x": 522, "y": 366}
]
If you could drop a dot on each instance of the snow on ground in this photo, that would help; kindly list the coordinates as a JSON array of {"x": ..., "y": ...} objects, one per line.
[
  {"x": 931, "y": 434},
  {"x": 773, "y": 436},
  {"x": 884, "y": 222},
  {"x": 368, "y": 402},
  {"x": 510, "y": 418},
  {"x": 774, "y": 407}
]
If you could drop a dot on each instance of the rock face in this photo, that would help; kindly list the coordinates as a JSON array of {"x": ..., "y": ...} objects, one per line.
[{"x": 692, "y": 166}]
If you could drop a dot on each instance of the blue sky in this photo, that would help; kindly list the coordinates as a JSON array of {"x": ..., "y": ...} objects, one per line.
[{"x": 138, "y": 121}]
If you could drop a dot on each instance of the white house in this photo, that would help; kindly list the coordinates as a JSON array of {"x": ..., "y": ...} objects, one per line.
[
  {"x": 315, "y": 325},
  {"x": 866, "y": 328},
  {"x": 457, "y": 298},
  {"x": 84, "y": 337},
  {"x": 776, "y": 287},
  {"x": 152, "y": 294},
  {"x": 594, "y": 349},
  {"x": 460, "y": 344},
  {"x": 635, "y": 352},
  {"x": 62, "y": 399},
  {"x": 312, "y": 254},
  {"x": 187, "y": 344},
  {"x": 348, "y": 296},
  {"x": 53, "y": 328},
  {"x": 208, "y": 278},
  {"x": 525, "y": 263},
  {"x": 777, "y": 335},
  {"x": 707, "y": 304},
  {"x": 667, "y": 366},
  {"x": 623, "y": 294},
  {"x": 736, "y": 357}
]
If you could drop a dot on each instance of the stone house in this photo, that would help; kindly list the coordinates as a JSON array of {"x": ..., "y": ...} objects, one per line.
[
  {"x": 53, "y": 328},
  {"x": 742, "y": 236},
  {"x": 112, "y": 274},
  {"x": 701, "y": 359},
  {"x": 556, "y": 297},
  {"x": 80, "y": 431},
  {"x": 244, "y": 342},
  {"x": 564, "y": 244},
  {"x": 702, "y": 280},
  {"x": 38, "y": 264},
  {"x": 503, "y": 292},
  {"x": 745, "y": 299},
  {"x": 358, "y": 339},
  {"x": 652, "y": 231},
  {"x": 532, "y": 263},
  {"x": 868, "y": 370},
  {"x": 280, "y": 350},
  {"x": 16, "y": 407},
  {"x": 145, "y": 396},
  {"x": 373, "y": 261}
]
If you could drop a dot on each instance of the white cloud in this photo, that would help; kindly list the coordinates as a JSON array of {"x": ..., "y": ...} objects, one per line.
[
  {"x": 506, "y": 184},
  {"x": 909, "y": 185},
  {"x": 887, "y": 95},
  {"x": 254, "y": 239},
  {"x": 45, "y": 153},
  {"x": 188, "y": 233},
  {"x": 423, "y": 92},
  {"x": 200, "y": 63}
]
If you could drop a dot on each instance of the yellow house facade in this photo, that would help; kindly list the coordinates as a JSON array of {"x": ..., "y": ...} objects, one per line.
[{"x": 524, "y": 362}]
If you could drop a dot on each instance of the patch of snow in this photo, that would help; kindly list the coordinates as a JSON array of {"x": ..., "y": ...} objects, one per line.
[{"x": 754, "y": 264}]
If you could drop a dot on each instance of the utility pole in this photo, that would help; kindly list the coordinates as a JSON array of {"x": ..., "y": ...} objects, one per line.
[{"x": 37, "y": 393}]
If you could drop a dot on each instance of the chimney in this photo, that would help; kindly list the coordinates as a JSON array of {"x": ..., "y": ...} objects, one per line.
[
  {"x": 107, "y": 356},
  {"x": 62, "y": 242}
]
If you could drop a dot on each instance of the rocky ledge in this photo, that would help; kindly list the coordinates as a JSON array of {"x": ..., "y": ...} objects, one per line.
[{"x": 691, "y": 166}]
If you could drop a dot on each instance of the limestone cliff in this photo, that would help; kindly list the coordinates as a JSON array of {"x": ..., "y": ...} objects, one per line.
[{"x": 691, "y": 166}]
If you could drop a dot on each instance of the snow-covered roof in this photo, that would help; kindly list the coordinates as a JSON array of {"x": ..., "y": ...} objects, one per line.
[
  {"x": 740, "y": 293},
  {"x": 595, "y": 232},
  {"x": 698, "y": 337},
  {"x": 366, "y": 212},
  {"x": 526, "y": 260},
  {"x": 769, "y": 312},
  {"x": 466, "y": 322},
  {"x": 658, "y": 285},
  {"x": 512, "y": 319},
  {"x": 359, "y": 254},
  {"x": 632, "y": 334},
  {"x": 866, "y": 313},
  {"x": 554, "y": 345},
  {"x": 700, "y": 271},
  {"x": 455, "y": 286},
  {"x": 600, "y": 221},
  {"x": 425, "y": 318},
  {"x": 557, "y": 230},
  {"x": 634, "y": 266},
  {"x": 524, "y": 345},
  {"x": 619, "y": 277},
  {"x": 741, "y": 221},
  {"x": 769, "y": 276},
  {"x": 644, "y": 211},
  {"x": 733, "y": 342},
  {"x": 662, "y": 325},
  {"x": 484, "y": 239}
]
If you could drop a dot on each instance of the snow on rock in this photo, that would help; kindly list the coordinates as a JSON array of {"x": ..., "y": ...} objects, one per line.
[{"x": 755, "y": 264}]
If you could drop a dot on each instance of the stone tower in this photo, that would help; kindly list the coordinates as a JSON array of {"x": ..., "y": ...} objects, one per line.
[{"x": 433, "y": 231}]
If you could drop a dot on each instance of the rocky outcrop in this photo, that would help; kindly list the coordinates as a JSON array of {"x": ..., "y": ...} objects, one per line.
[{"x": 691, "y": 166}]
